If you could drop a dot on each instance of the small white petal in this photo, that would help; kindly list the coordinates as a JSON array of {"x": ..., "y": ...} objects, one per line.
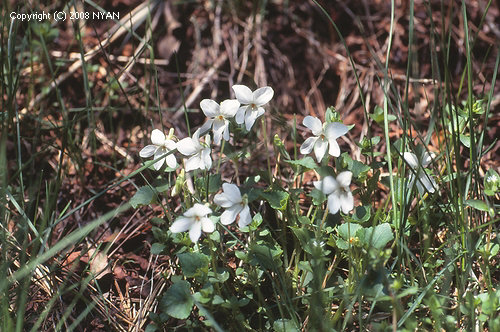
[
  {"x": 171, "y": 145},
  {"x": 223, "y": 200},
  {"x": 344, "y": 179},
  {"x": 157, "y": 137},
  {"x": 206, "y": 126},
  {"x": 245, "y": 217},
  {"x": 199, "y": 210},
  {"x": 181, "y": 224},
  {"x": 171, "y": 161},
  {"x": 327, "y": 186},
  {"x": 334, "y": 149},
  {"x": 193, "y": 163},
  {"x": 427, "y": 182},
  {"x": 232, "y": 192},
  {"x": 228, "y": 108},
  {"x": 314, "y": 124},
  {"x": 210, "y": 108},
  {"x": 308, "y": 145},
  {"x": 229, "y": 216},
  {"x": 159, "y": 154},
  {"x": 250, "y": 118},
  {"x": 207, "y": 225},
  {"x": 240, "y": 114},
  {"x": 427, "y": 159},
  {"x": 335, "y": 129},
  {"x": 263, "y": 95},
  {"x": 333, "y": 204},
  {"x": 243, "y": 94},
  {"x": 225, "y": 133},
  {"x": 320, "y": 149},
  {"x": 187, "y": 146},
  {"x": 148, "y": 151},
  {"x": 195, "y": 232},
  {"x": 411, "y": 159},
  {"x": 346, "y": 202},
  {"x": 206, "y": 159}
]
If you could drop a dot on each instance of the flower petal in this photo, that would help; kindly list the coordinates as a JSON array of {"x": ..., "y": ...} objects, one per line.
[
  {"x": 206, "y": 158},
  {"x": 229, "y": 216},
  {"x": 207, "y": 225},
  {"x": 333, "y": 204},
  {"x": 245, "y": 217},
  {"x": 308, "y": 145},
  {"x": 243, "y": 94},
  {"x": 263, "y": 95},
  {"x": 193, "y": 163},
  {"x": 344, "y": 179},
  {"x": 181, "y": 224},
  {"x": 427, "y": 158},
  {"x": 157, "y": 137},
  {"x": 206, "y": 126},
  {"x": 148, "y": 151},
  {"x": 195, "y": 231},
  {"x": 229, "y": 107},
  {"x": 158, "y": 154},
  {"x": 335, "y": 129},
  {"x": 171, "y": 161},
  {"x": 327, "y": 186},
  {"x": 232, "y": 191},
  {"x": 250, "y": 118},
  {"x": 411, "y": 159},
  {"x": 334, "y": 149},
  {"x": 187, "y": 146},
  {"x": 346, "y": 202},
  {"x": 426, "y": 183},
  {"x": 210, "y": 108},
  {"x": 314, "y": 124},
  {"x": 198, "y": 210},
  {"x": 223, "y": 200},
  {"x": 320, "y": 149},
  {"x": 240, "y": 114}
]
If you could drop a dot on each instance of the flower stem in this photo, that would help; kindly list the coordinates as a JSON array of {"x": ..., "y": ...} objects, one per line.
[{"x": 266, "y": 143}]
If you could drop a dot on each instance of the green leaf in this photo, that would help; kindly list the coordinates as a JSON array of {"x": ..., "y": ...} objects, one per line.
[
  {"x": 305, "y": 236},
  {"x": 377, "y": 237},
  {"x": 465, "y": 140},
  {"x": 157, "y": 248},
  {"x": 265, "y": 255},
  {"x": 278, "y": 144},
  {"x": 306, "y": 162},
  {"x": 193, "y": 263},
  {"x": 317, "y": 196},
  {"x": 177, "y": 301},
  {"x": 348, "y": 230},
  {"x": 284, "y": 325},
  {"x": 362, "y": 213},
  {"x": 277, "y": 198},
  {"x": 144, "y": 196},
  {"x": 477, "y": 204}
]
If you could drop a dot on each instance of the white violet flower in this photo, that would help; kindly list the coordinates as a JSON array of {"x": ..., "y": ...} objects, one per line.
[
  {"x": 161, "y": 146},
  {"x": 338, "y": 192},
  {"x": 218, "y": 116},
  {"x": 198, "y": 153},
  {"x": 251, "y": 103},
  {"x": 235, "y": 205},
  {"x": 195, "y": 220},
  {"x": 325, "y": 138},
  {"x": 424, "y": 181}
]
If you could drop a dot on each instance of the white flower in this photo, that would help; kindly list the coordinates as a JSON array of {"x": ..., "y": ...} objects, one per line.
[
  {"x": 195, "y": 220},
  {"x": 338, "y": 192},
  {"x": 218, "y": 117},
  {"x": 235, "y": 205},
  {"x": 161, "y": 146},
  {"x": 424, "y": 181},
  {"x": 199, "y": 154},
  {"x": 326, "y": 134},
  {"x": 252, "y": 103}
]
